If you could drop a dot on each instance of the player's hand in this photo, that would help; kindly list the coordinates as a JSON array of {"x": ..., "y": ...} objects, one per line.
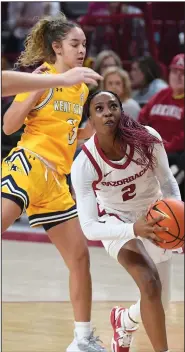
[
  {"x": 81, "y": 75},
  {"x": 148, "y": 229},
  {"x": 41, "y": 69}
]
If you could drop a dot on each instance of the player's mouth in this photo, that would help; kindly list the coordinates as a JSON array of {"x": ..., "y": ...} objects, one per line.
[
  {"x": 80, "y": 60},
  {"x": 110, "y": 123}
]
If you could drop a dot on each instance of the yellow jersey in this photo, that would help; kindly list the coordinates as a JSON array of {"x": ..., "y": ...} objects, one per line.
[{"x": 52, "y": 125}]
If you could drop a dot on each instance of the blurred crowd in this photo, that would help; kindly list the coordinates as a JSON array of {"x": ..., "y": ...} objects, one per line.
[{"x": 151, "y": 92}]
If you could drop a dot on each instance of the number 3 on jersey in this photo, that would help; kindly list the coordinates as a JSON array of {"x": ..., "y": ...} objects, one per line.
[
  {"x": 73, "y": 134},
  {"x": 129, "y": 192}
]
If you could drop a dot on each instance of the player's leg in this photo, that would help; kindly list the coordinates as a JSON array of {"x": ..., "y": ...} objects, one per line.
[
  {"x": 13, "y": 187},
  {"x": 165, "y": 274},
  {"x": 10, "y": 212},
  {"x": 71, "y": 243},
  {"x": 132, "y": 316},
  {"x": 57, "y": 212},
  {"x": 135, "y": 259}
]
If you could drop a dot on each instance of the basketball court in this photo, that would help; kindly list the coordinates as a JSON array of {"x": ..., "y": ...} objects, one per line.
[{"x": 37, "y": 314}]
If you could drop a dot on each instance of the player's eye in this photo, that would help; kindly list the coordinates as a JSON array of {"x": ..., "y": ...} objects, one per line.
[
  {"x": 99, "y": 108},
  {"x": 114, "y": 106}
]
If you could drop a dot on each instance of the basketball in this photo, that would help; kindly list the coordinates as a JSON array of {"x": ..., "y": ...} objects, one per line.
[{"x": 174, "y": 220}]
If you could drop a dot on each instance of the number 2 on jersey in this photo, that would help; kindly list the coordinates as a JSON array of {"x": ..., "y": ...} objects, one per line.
[{"x": 129, "y": 192}]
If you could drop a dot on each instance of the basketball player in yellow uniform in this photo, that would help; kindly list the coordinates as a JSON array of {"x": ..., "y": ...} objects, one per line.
[{"x": 33, "y": 174}]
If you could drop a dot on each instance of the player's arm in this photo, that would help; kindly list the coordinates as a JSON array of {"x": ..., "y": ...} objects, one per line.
[
  {"x": 86, "y": 132},
  {"x": 83, "y": 175},
  {"x": 18, "y": 82},
  {"x": 15, "y": 116},
  {"x": 168, "y": 183}
]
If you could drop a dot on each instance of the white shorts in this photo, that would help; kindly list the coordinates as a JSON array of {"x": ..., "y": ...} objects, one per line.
[{"x": 157, "y": 254}]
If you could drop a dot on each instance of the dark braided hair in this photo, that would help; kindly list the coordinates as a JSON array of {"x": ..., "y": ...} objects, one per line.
[{"x": 132, "y": 133}]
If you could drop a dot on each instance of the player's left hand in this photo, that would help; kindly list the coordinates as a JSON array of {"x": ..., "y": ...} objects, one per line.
[
  {"x": 41, "y": 69},
  {"x": 149, "y": 229}
]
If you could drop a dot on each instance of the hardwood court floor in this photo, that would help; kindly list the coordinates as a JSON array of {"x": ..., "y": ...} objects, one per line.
[{"x": 47, "y": 327}]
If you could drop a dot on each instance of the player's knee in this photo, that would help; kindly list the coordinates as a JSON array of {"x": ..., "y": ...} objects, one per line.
[
  {"x": 10, "y": 212},
  {"x": 81, "y": 259},
  {"x": 151, "y": 287}
]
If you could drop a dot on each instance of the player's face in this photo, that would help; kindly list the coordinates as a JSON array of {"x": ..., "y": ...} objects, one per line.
[
  {"x": 73, "y": 48},
  {"x": 105, "y": 113},
  {"x": 114, "y": 83},
  {"x": 176, "y": 80}
]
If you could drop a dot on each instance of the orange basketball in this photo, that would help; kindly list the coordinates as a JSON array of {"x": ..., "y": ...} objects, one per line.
[{"x": 174, "y": 220}]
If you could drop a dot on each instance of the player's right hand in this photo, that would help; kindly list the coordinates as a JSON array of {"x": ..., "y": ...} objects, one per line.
[
  {"x": 148, "y": 229},
  {"x": 81, "y": 75}
]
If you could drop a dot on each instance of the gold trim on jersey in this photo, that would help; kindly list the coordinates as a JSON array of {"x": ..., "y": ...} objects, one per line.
[{"x": 46, "y": 100}]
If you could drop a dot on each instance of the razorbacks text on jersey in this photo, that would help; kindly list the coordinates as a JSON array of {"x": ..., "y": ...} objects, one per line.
[
  {"x": 122, "y": 187},
  {"x": 51, "y": 126}
]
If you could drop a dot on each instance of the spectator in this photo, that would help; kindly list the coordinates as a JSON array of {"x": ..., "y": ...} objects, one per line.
[
  {"x": 146, "y": 79},
  {"x": 106, "y": 37},
  {"x": 22, "y": 16},
  {"x": 117, "y": 80},
  {"x": 105, "y": 59},
  {"x": 102, "y": 35},
  {"x": 98, "y": 8},
  {"x": 165, "y": 112}
]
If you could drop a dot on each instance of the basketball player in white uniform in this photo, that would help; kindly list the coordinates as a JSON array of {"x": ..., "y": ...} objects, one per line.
[{"x": 120, "y": 172}]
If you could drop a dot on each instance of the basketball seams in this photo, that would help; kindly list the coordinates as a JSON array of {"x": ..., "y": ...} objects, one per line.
[
  {"x": 180, "y": 239},
  {"x": 177, "y": 239},
  {"x": 173, "y": 216}
]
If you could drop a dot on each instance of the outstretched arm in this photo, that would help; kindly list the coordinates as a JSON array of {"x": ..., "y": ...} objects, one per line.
[{"x": 18, "y": 82}]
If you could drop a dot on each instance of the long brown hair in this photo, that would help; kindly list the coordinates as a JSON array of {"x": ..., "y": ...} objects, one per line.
[{"x": 38, "y": 44}]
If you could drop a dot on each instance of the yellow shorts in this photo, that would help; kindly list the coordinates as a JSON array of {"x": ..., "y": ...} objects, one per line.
[{"x": 39, "y": 190}]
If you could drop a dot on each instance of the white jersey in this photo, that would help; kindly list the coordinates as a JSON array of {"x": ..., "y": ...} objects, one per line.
[
  {"x": 123, "y": 188},
  {"x": 108, "y": 190}
]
